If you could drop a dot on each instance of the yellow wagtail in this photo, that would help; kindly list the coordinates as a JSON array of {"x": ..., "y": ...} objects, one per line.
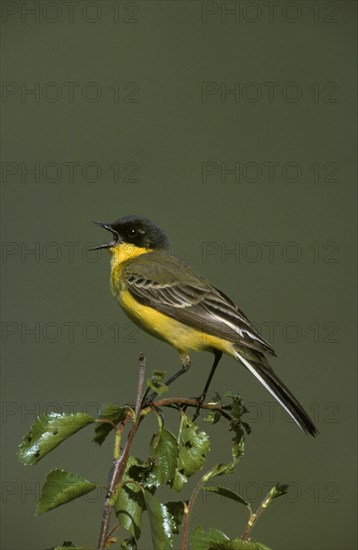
[{"x": 165, "y": 297}]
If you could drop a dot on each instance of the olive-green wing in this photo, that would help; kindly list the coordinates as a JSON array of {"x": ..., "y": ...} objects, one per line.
[{"x": 168, "y": 285}]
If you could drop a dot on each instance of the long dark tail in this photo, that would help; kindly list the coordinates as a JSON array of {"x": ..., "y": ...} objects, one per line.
[{"x": 264, "y": 373}]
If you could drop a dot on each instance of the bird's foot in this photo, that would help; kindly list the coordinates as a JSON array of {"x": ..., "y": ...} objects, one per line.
[{"x": 199, "y": 401}]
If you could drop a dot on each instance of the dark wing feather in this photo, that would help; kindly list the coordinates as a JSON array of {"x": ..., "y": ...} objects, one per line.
[{"x": 166, "y": 284}]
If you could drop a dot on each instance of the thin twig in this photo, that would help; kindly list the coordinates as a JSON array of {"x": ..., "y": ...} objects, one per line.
[
  {"x": 212, "y": 406},
  {"x": 119, "y": 465},
  {"x": 140, "y": 383},
  {"x": 120, "y": 462},
  {"x": 113, "y": 530},
  {"x": 255, "y": 516},
  {"x": 188, "y": 512}
]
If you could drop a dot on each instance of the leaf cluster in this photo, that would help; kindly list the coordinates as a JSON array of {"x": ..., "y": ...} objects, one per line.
[{"x": 171, "y": 461}]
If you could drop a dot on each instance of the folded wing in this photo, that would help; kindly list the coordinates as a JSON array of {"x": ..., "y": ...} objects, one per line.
[{"x": 171, "y": 287}]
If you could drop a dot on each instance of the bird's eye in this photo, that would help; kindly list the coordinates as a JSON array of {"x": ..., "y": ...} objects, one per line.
[{"x": 132, "y": 232}]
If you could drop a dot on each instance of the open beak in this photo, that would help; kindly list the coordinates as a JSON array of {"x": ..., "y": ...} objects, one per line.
[{"x": 114, "y": 233}]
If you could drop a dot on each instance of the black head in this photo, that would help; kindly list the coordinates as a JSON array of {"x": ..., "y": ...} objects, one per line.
[{"x": 137, "y": 231}]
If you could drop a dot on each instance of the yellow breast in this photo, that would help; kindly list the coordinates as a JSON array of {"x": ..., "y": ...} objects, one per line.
[
  {"x": 121, "y": 253},
  {"x": 182, "y": 337}
]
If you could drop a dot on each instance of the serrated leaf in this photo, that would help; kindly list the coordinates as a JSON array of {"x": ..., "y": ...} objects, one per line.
[
  {"x": 47, "y": 432},
  {"x": 61, "y": 487},
  {"x": 179, "y": 481},
  {"x": 202, "y": 540},
  {"x": 217, "y": 540},
  {"x": 177, "y": 511},
  {"x": 138, "y": 470},
  {"x": 69, "y": 545},
  {"x": 193, "y": 448},
  {"x": 156, "y": 382},
  {"x": 237, "y": 410},
  {"x": 165, "y": 452},
  {"x": 237, "y": 544},
  {"x": 108, "y": 411},
  {"x": 129, "y": 506},
  {"x": 238, "y": 441},
  {"x": 222, "y": 491},
  {"x": 161, "y": 523}
]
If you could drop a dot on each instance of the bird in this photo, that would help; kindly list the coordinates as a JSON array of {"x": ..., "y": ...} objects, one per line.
[{"x": 165, "y": 297}]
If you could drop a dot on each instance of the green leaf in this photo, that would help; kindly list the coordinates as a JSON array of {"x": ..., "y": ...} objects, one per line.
[
  {"x": 177, "y": 511},
  {"x": 61, "y": 487},
  {"x": 213, "y": 417},
  {"x": 68, "y": 544},
  {"x": 237, "y": 410},
  {"x": 217, "y": 540},
  {"x": 179, "y": 480},
  {"x": 165, "y": 452},
  {"x": 138, "y": 470},
  {"x": 237, "y": 544},
  {"x": 201, "y": 540},
  {"x": 128, "y": 544},
  {"x": 108, "y": 411},
  {"x": 161, "y": 523},
  {"x": 193, "y": 448},
  {"x": 47, "y": 432},
  {"x": 129, "y": 506},
  {"x": 156, "y": 382},
  {"x": 222, "y": 491}
]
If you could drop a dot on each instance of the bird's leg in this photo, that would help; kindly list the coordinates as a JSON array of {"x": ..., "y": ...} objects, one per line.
[
  {"x": 185, "y": 359},
  {"x": 201, "y": 398},
  {"x": 218, "y": 355},
  {"x": 184, "y": 368}
]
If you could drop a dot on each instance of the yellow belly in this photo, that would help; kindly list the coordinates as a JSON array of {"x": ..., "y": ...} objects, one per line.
[{"x": 178, "y": 335}]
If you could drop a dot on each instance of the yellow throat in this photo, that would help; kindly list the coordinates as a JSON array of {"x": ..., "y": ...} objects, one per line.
[{"x": 121, "y": 253}]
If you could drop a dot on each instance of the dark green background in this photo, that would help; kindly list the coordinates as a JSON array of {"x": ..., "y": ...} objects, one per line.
[{"x": 168, "y": 49}]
